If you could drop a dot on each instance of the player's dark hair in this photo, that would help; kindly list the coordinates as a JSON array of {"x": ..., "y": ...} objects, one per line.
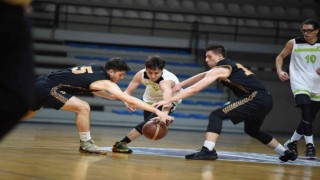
[
  {"x": 117, "y": 64},
  {"x": 217, "y": 49},
  {"x": 312, "y": 22},
  {"x": 154, "y": 62}
]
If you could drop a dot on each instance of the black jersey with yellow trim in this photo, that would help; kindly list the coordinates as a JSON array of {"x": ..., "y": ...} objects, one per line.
[
  {"x": 241, "y": 80},
  {"x": 78, "y": 79}
]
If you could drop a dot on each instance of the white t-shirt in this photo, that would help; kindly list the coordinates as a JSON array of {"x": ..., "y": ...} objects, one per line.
[{"x": 153, "y": 93}]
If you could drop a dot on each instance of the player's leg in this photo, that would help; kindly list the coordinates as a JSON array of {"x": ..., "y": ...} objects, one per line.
[
  {"x": 121, "y": 146},
  {"x": 82, "y": 110},
  {"x": 213, "y": 132},
  {"x": 136, "y": 132},
  {"x": 310, "y": 152},
  {"x": 305, "y": 126}
]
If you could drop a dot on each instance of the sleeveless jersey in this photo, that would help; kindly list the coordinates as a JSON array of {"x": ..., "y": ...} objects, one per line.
[
  {"x": 241, "y": 81},
  {"x": 153, "y": 93},
  {"x": 304, "y": 61},
  {"x": 77, "y": 80}
]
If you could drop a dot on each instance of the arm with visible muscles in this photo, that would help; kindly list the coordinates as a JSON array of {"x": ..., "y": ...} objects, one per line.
[
  {"x": 189, "y": 81},
  {"x": 210, "y": 76},
  {"x": 114, "y": 89},
  {"x": 104, "y": 94},
  {"x": 283, "y": 76}
]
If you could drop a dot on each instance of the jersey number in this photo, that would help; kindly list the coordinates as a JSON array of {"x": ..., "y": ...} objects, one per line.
[
  {"x": 311, "y": 58},
  {"x": 81, "y": 70}
]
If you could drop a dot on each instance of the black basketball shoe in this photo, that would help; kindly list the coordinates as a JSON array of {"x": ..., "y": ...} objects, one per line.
[
  {"x": 288, "y": 155},
  {"x": 310, "y": 151},
  {"x": 203, "y": 154},
  {"x": 292, "y": 146}
]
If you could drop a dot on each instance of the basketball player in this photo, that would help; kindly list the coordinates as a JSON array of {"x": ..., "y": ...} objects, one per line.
[
  {"x": 16, "y": 57},
  {"x": 252, "y": 105},
  {"x": 304, "y": 80},
  {"x": 159, "y": 83},
  {"x": 58, "y": 89}
]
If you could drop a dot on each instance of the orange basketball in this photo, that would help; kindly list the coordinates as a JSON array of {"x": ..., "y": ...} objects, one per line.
[{"x": 154, "y": 130}]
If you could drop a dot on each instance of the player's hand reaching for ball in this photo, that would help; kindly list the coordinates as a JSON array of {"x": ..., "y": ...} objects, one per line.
[
  {"x": 163, "y": 115},
  {"x": 161, "y": 121}
]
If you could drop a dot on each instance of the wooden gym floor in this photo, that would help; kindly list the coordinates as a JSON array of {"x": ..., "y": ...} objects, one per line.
[{"x": 35, "y": 151}]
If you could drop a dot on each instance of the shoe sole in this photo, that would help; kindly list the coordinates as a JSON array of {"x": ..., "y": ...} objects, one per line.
[
  {"x": 210, "y": 158},
  {"x": 311, "y": 158},
  {"x": 124, "y": 152},
  {"x": 89, "y": 152}
]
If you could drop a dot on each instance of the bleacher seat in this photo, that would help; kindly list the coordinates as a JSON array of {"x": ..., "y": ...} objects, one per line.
[
  {"x": 278, "y": 11},
  {"x": 252, "y": 23},
  {"x": 264, "y": 10},
  {"x": 100, "y": 12},
  {"x": 190, "y": 18},
  {"x": 267, "y": 24},
  {"x": 50, "y": 7},
  {"x": 173, "y": 4},
  {"x": 295, "y": 25},
  {"x": 308, "y": 13},
  {"x": 177, "y": 17},
  {"x": 283, "y": 25},
  {"x": 117, "y": 13},
  {"x": 146, "y": 15},
  {"x": 131, "y": 14},
  {"x": 233, "y": 8},
  {"x": 85, "y": 10},
  {"x": 207, "y": 19},
  {"x": 69, "y": 9},
  {"x": 202, "y": 5},
  {"x": 157, "y": 3},
  {"x": 187, "y": 4},
  {"x": 218, "y": 7},
  {"x": 222, "y": 20},
  {"x": 111, "y": 1},
  {"x": 162, "y": 16},
  {"x": 142, "y": 2},
  {"x": 248, "y": 9},
  {"x": 292, "y": 11},
  {"x": 127, "y": 2}
]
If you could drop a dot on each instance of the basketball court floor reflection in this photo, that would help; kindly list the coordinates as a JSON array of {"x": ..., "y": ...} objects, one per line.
[{"x": 50, "y": 151}]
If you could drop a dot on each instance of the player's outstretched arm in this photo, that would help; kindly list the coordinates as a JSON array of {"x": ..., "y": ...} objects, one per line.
[
  {"x": 104, "y": 95},
  {"x": 115, "y": 90},
  {"x": 210, "y": 76},
  {"x": 133, "y": 85}
]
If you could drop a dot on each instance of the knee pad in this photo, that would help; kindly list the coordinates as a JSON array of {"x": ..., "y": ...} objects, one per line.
[
  {"x": 140, "y": 126},
  {"x": 215, "y": 123}
]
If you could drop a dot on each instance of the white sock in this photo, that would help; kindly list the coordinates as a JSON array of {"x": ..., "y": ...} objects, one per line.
[
  {"x": 295, "y": 137},
  {"x": 280, "y": 149},
  {"x": 209, "y": 144},
  {"x": 309, "y": 139},
  {"x": 85, "y": 136}
]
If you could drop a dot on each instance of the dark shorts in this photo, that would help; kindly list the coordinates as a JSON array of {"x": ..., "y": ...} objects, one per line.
[
  {"x": 302, "y": 99},
  {"x": 253, "y": 108},
  {"x": 49, "y": 94}
]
